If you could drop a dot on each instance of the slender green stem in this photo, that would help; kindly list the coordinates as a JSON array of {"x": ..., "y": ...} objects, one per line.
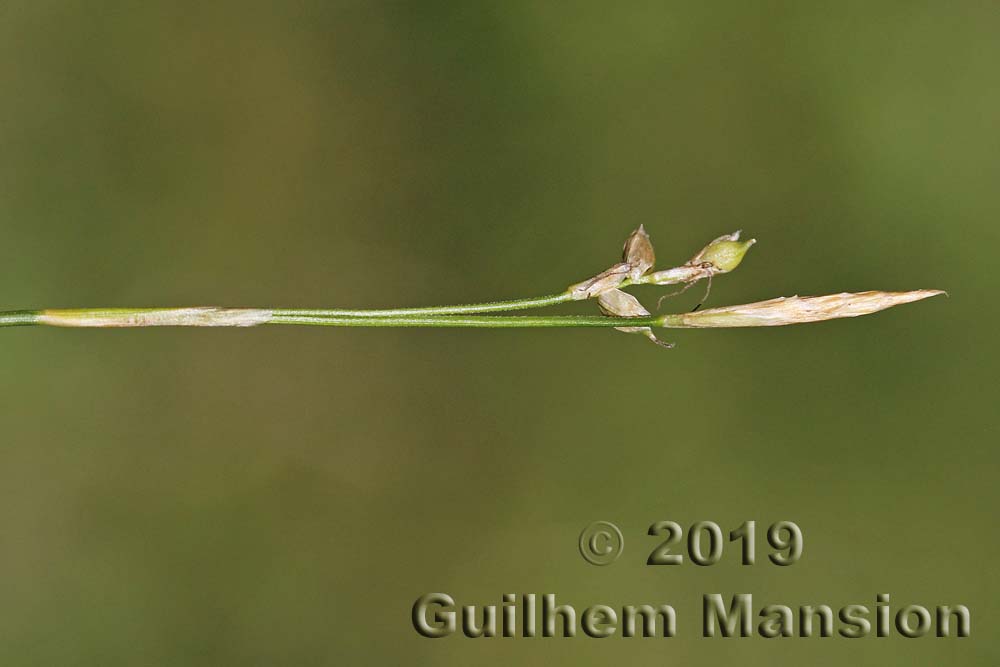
[
  {"x": 229, "y": 317},
  {"x": 246, "y": 317},
  {"x": 461, "y": 309},
  {"x": 30, "y": 317},
  {"x": 19, "y": 318},
  {"x": 470, "y": 321}
]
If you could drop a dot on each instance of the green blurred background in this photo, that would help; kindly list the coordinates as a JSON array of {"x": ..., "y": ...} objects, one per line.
[{"x": 283, "y": 495}]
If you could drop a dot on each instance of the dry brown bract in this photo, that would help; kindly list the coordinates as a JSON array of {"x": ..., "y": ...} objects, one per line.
[{"x": 798, "y": 310}]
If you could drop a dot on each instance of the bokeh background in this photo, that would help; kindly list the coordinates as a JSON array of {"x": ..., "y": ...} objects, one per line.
[{"x": 283, "y": 495}]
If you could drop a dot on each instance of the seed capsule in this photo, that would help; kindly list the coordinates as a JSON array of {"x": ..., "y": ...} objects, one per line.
[
  {"x": 638, "y": 253},
  {"x": 724, "y": 253},
  {"x": 616, "y": 303}
]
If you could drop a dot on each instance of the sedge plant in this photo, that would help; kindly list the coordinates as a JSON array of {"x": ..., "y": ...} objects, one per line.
[{"x": 619, "y": 309}]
